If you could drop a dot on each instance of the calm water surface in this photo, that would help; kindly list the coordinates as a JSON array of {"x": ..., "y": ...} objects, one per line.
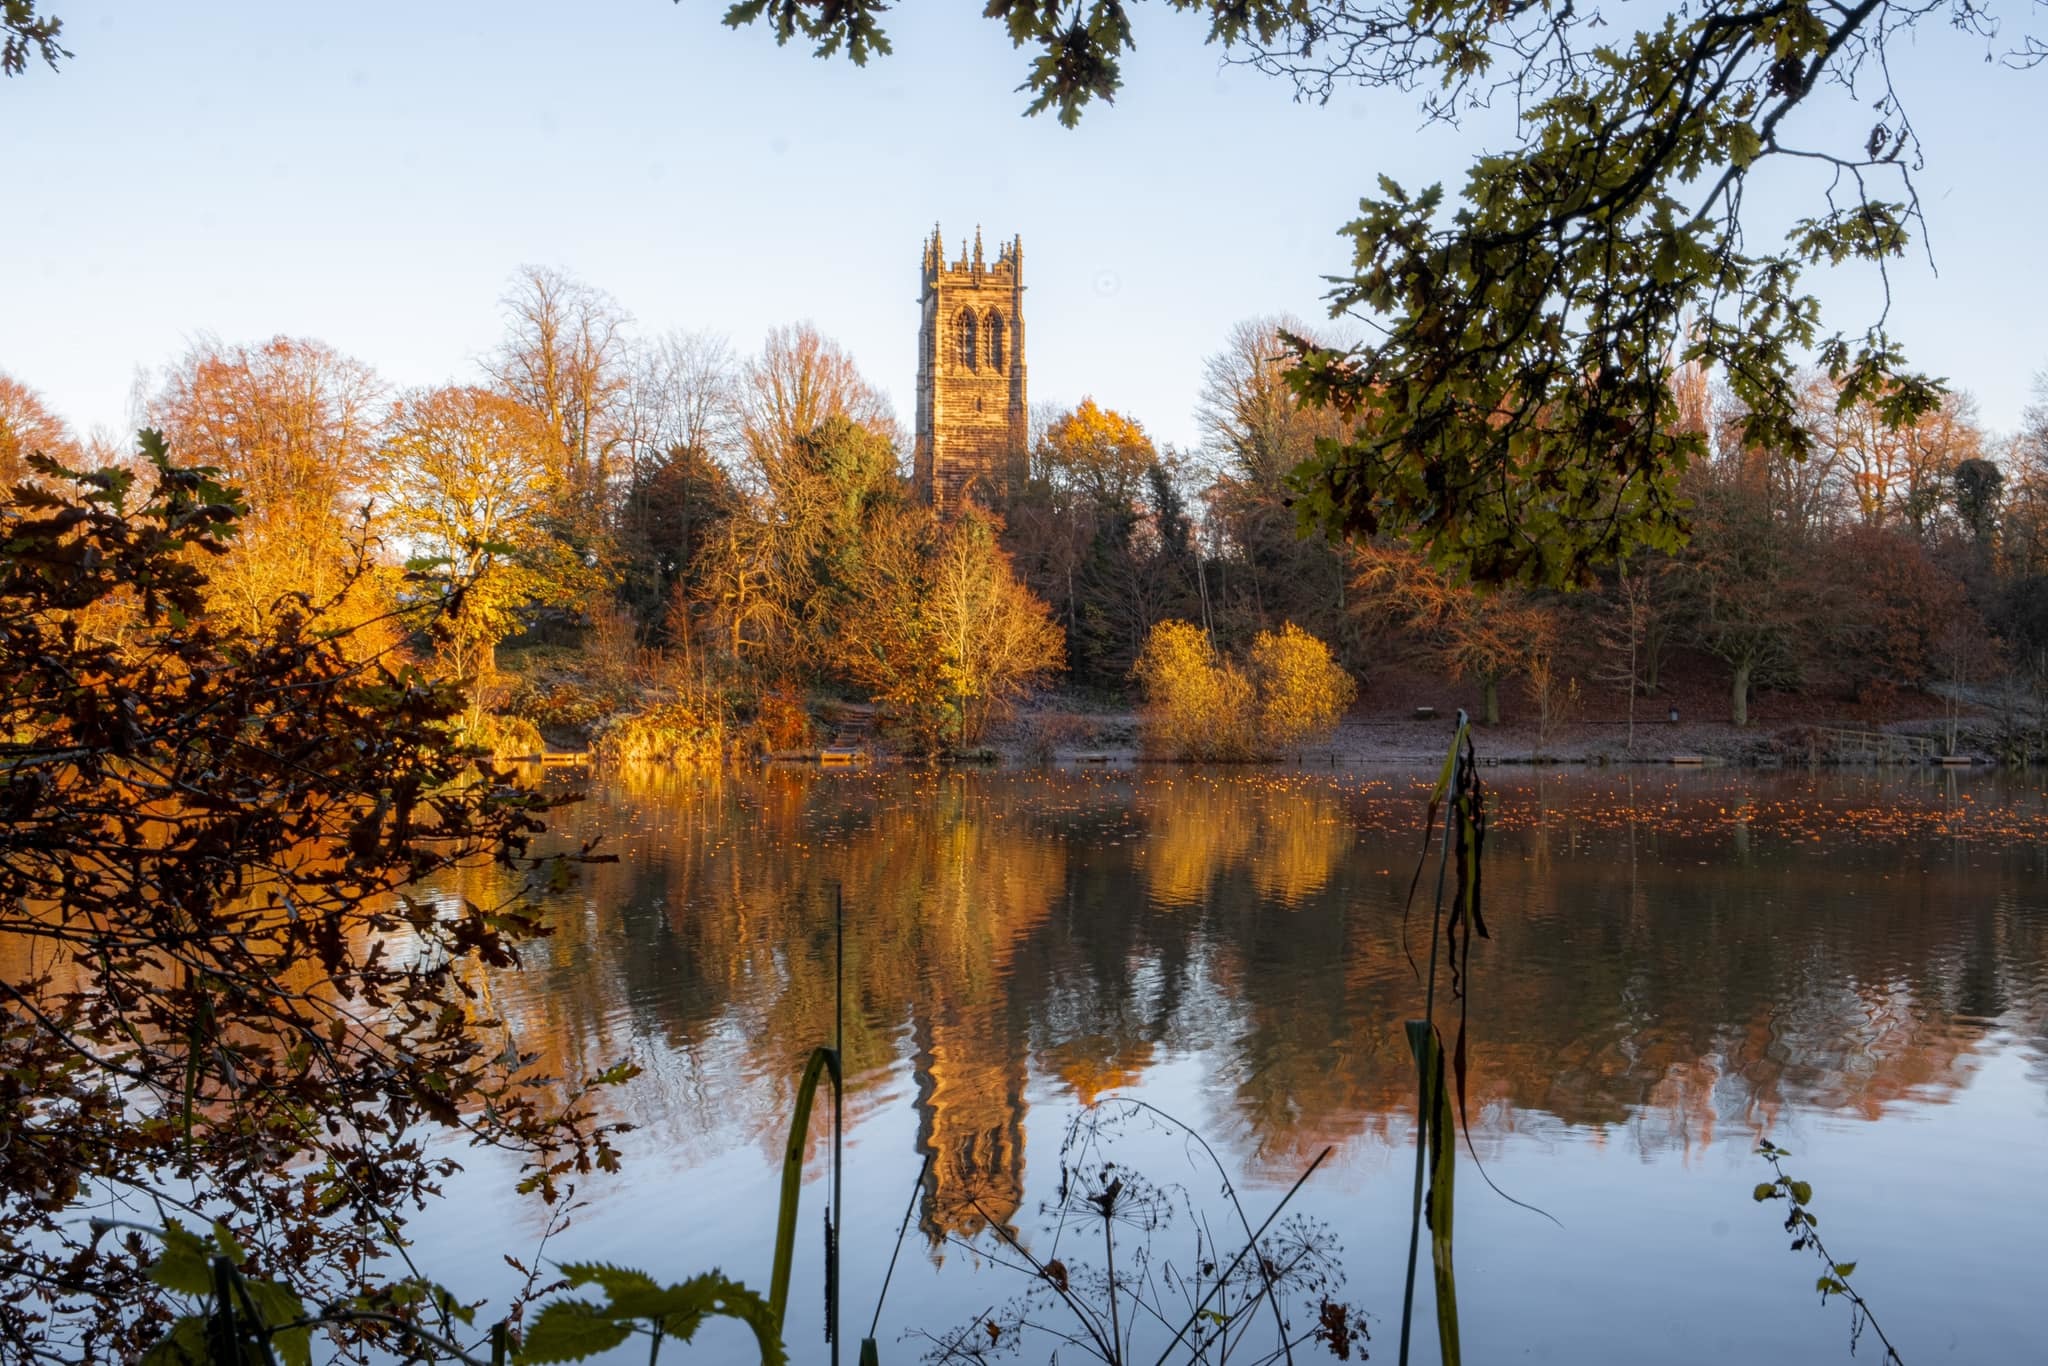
[{"x": 1855, "y": 965}]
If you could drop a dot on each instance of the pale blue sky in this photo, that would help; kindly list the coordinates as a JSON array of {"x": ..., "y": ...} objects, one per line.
[{"x": 371, "y": 174}]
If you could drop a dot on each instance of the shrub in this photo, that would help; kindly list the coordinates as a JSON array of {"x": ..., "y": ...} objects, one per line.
[
  {"x": 562, "y": 706},
  {"x": 666, "y": 733},
  {"x": 1043, "y": 734},
  {"x": 502, "y": 737},
  {"x": 1303, "y": 693},
  {"x": 782, "y": 720},
  {"x": 1202, "y": 706}
]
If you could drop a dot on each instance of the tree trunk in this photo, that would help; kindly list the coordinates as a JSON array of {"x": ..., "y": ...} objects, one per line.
[
  {"x": 1738, "y": 709},
  {"x": 1632, "y": 698},
  {"x": 1490, "y": 704}
]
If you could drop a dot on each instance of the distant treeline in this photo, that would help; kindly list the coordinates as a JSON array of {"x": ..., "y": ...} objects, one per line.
[{"x": 661, "y": 522}]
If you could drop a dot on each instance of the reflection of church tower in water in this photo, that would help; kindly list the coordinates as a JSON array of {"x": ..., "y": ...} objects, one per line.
[
  {"x": 970, "y": 1075},
  {"x": 971, "y": 418},
  {"x": 978, "y": 885}
]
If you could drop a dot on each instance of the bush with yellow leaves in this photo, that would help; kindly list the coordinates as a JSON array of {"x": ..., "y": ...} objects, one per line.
[
  {"x": 1302, "y": 691},
  {"x": 1205, "y": 707}
]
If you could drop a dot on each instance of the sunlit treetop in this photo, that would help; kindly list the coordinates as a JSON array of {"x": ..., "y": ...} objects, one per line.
[{"x": 1514, "y": 415}]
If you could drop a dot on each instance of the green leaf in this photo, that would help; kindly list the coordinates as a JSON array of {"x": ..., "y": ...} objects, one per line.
[
  {"x": 616, "y": 1280},
  {"x": 1802, "y": 1192},
  {"x": 184, "y": 1345},
  {"x": 224, "y": 1239},
  {"x": 1743, "y": 145},
  {"x": 277, "y": 1306},
  {"x": 1844, "y": 1268},
  {"x": 1765, "y": 1190},
  {"x": 570, "y": 1330},
  {"x": 617, "y": 1074},
  {"x": 184, "y": 1266},
  {"x": 823, "y": 1064}
]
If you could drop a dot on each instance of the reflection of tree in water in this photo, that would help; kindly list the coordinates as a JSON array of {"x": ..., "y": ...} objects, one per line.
[
  {"x": 1201, "y": 825},
  {"x": 1646, "y": 979}
]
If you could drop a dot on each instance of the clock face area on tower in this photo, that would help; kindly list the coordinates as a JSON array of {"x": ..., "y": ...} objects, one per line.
[{"x": 970, "y": 373}]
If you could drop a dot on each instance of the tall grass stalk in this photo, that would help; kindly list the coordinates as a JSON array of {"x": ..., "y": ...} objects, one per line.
[{"x": 1430, "y": 1094}]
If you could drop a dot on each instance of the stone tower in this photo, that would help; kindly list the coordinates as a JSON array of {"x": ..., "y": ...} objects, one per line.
[{"x": 970, "y": 374}]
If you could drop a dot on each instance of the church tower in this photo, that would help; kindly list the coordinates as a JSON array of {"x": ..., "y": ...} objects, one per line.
[{"x": 970, "y": 374}]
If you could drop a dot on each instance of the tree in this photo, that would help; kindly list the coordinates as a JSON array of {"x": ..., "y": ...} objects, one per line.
[
  {"x": 28, "y": 427},
  {"x": 23, "y": 31},
  {"x": 1625, "y": 619},
  {"x": 1254, "y": 425},
  {"x": 1516, "y": 416},
  {"x": 1890, "y": 474},
  {"x": 1255, "y": 431},
  {"x": 1469, "y": 631},
  {"x": 1978, "y": 486},
  {"x": 208, "y": 824},
  {"x": 776, "y": 572},
  {"x": 998, "y": 640},
  {"x": 472, "y": 477},
  {"x": 1747, "y": 599},
  {"x": 683, "y": 438},
  {"x": 685, "y": 391},
  {"x": 565, "y": 356},
  {"x": 945, "y": 636},
  {"x": 293, "y": 423},
  {"x": 1097, "y": 453},
  {"x": 671, "y": 516},
  {"x": 800, "y": 380},
  {"x": 1894, "y": 608}
]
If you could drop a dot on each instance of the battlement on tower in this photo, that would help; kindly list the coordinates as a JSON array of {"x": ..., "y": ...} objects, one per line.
[
  {"x": 971, "y": 413},
  {"x": 970, "y": 268}
]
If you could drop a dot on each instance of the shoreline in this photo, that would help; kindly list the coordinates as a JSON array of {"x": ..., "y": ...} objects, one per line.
[{"x": 1114, "y": 737}]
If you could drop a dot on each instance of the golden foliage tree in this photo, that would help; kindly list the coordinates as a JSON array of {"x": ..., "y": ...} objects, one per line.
[
  {"x": 28, "y": 427},
  {"x": 293, "y": 424},
  {"x": 997, "y": 638},
  {"x": 1097, "y": 453},
  {"x": 945, "y": 636},
  {"x": 472, "y": 476}
]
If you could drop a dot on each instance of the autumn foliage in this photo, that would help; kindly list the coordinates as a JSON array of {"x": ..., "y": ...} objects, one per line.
[
  {"x": 218, "y": 1002},
  {"x": 1202, "y": 705}
]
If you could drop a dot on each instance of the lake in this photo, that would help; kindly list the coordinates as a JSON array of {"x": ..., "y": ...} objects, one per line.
[{"x": 1853, "y": 963}]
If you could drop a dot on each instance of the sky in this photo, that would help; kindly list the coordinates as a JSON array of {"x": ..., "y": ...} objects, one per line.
[{"x": 372, "y": 175}]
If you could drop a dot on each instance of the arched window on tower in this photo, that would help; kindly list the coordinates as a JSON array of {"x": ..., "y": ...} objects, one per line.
[
  {"x": 969, "y": 349},
  {"x": 995, "y": 341}
]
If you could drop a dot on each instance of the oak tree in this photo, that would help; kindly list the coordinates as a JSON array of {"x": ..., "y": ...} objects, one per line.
[{"x": 220, "y": 1006}]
